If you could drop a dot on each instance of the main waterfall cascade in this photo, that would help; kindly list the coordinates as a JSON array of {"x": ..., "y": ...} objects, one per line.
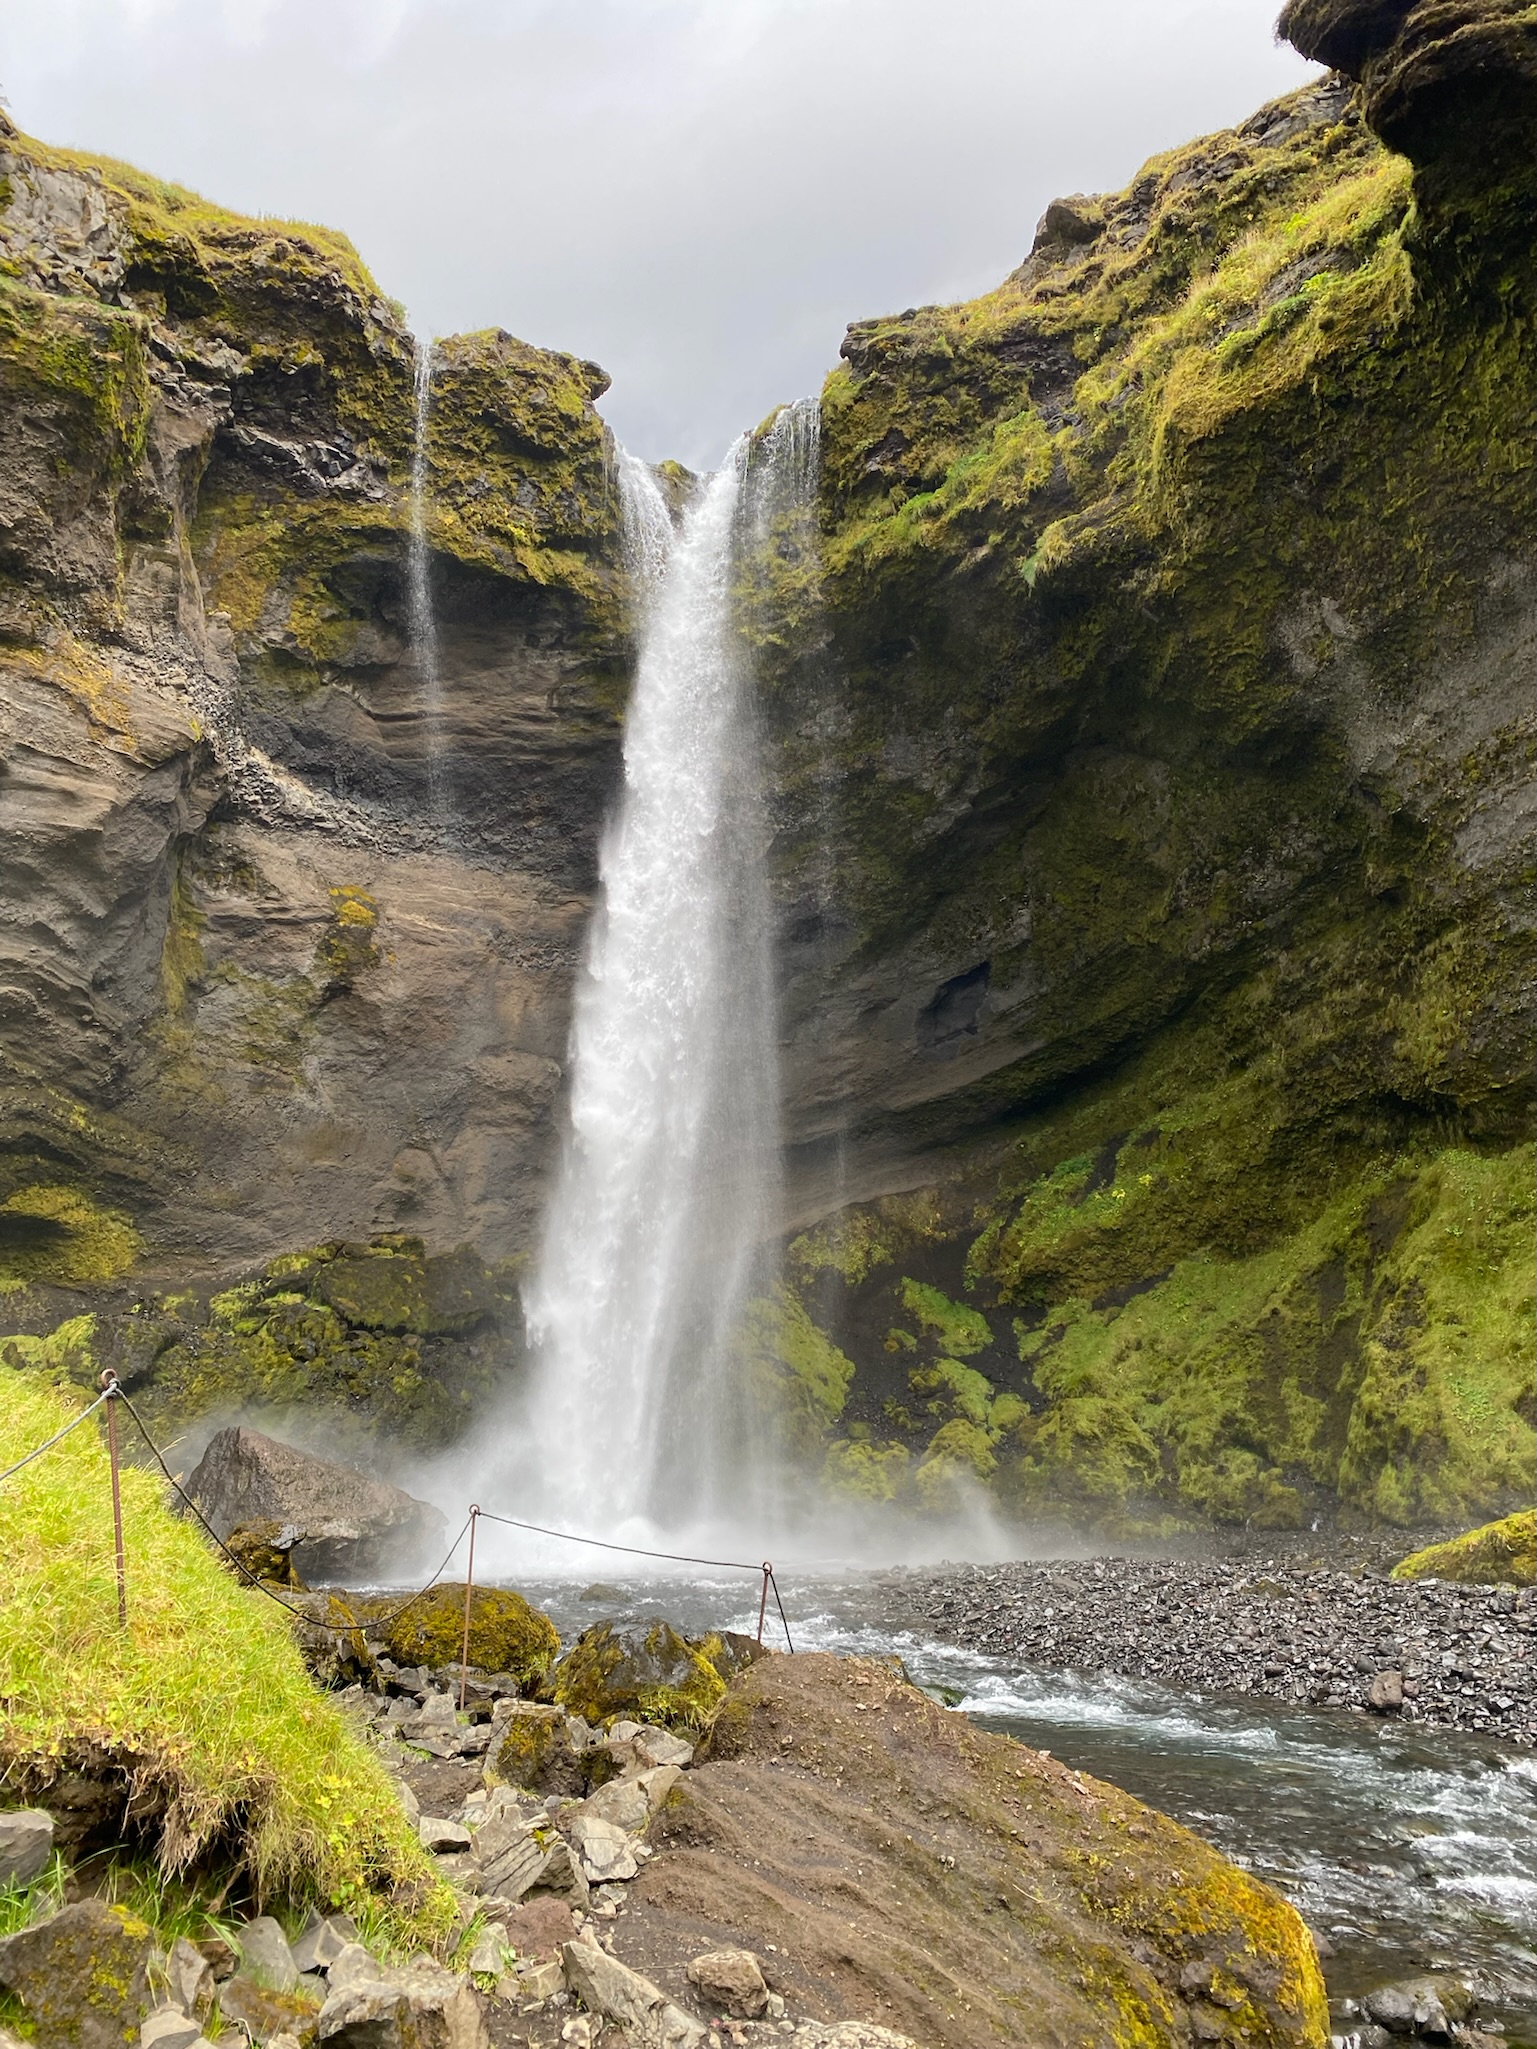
[
  {"x": 666, "y": 1202},
  {"x": 421, "y": 624}
]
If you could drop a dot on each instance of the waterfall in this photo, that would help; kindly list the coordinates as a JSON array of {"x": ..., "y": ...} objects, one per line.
[
  {"x": 421, "y": 624},
  {"x": 667, "y": 1191},
  {"x": 787, "y": 464}
]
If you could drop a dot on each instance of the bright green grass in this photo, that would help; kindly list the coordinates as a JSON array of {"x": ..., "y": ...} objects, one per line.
[{"x": 203, "y": 1700}]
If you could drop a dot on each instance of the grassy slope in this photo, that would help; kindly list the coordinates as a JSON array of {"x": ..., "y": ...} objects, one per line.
[{"x": 202, "y": 1706}]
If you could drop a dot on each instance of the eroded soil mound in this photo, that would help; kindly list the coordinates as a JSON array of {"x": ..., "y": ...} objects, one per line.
[{"x": 889, "y": 1862}]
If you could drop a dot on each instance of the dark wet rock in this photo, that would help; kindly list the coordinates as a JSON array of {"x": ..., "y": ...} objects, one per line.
[
  {"x": 345, "y": 1520},
  {"x": 1418, "y": 2006},
  {"x": 26, "y": 1844}
]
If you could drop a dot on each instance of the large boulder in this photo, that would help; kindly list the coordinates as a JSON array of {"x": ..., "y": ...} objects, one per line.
[
  {"x": 82, "y": 1975},
  {"x": 342, "y": 1521}
]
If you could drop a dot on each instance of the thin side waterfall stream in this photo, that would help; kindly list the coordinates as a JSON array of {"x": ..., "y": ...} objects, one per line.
[
  {"x": 421, "y": 623},
  {"x": 667, "y": 1189}
]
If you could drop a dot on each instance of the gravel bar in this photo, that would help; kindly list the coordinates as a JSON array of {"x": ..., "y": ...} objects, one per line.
[{"x": 1426, "y": 1651}]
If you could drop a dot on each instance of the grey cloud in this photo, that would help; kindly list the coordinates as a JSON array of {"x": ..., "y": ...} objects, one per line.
[{"x": 699, "y": 193}]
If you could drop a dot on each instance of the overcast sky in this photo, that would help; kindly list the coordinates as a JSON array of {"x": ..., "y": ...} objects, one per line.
[{"x": 700, "y": 194}]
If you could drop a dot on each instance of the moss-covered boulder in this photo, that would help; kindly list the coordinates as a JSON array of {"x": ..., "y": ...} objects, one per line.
[
  {"x": 83, "y": 1975},
  {"x": 265, "y": 1549},
  {"x": 506, "y": 1633},
  {"x": 645, "y": 1670},
  {"x": 1499, "y": 1553},
  {"x": 537, "y": 1751}
]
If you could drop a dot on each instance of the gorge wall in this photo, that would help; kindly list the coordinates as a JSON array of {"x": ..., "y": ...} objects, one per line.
[{"x": 1148, "y": 709}]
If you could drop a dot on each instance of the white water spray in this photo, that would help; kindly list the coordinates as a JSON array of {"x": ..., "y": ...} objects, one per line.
[
  {"x": 421, "y": 622},
  {"x": 667, "y": 1191}
]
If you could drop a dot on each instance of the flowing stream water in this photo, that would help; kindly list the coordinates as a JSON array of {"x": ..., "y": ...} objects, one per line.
[
  {"x": 1406, "y": 1849},
  {"x": 421, "y": 622},
  {"x": 667, "y": 1190}
]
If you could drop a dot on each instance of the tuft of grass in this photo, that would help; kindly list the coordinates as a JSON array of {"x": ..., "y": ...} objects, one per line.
[{"x": 201, "y": 1709}]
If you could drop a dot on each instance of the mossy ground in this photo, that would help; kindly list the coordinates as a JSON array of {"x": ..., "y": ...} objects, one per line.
[{"x": 200, "y": 1712}]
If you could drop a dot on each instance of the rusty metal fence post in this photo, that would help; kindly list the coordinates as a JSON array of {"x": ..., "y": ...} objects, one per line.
[{"x": 109, "y": 1384}]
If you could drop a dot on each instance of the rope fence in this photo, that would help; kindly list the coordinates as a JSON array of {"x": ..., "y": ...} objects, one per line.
[{"x": 112, "y": 1393}]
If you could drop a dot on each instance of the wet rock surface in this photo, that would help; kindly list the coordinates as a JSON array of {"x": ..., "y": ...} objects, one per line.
[
  {"x": 331, "y": 1517},
  {"x": 1427, "y": 1651}
]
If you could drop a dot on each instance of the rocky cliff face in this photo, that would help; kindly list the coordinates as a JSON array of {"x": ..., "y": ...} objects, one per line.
[
  {"x": 266, "y": 980},
  {"x": 1154, "y": 705},
  {"x": 1148, "y": 712}
]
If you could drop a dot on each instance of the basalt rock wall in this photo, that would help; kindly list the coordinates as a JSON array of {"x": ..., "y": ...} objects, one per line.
[
  {"x": 287, "y": 932},
  {"x": 1153, "y": 703}
]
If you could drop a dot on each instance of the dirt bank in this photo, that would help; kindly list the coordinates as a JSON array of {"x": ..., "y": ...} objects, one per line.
[{"x": 891, "y": 1863}]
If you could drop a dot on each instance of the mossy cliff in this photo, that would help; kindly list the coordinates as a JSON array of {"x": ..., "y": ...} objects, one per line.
[
  {"x": 289, "y": 921},
  {"x": 355, "y": 1340},
  {"x": 1154, "y": 732}
]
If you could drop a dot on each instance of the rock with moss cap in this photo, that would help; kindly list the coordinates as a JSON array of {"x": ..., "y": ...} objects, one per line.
[
  {"x": 507, "y": 1634},
  {"x": 83, "y": 1975},
  {"x": 1499, "y": 1553},
  {"x": 649, "y": 1671}
]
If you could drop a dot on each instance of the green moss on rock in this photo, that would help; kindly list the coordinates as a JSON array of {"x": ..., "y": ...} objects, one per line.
[
  {"x": 648, "y": 1672},
  {"x": 1503, "y": 1552},
  {"x": 379, "y": 1337},
  {"x": 506, "y": 1633},
  {"x": 55, "y": 1235}
]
